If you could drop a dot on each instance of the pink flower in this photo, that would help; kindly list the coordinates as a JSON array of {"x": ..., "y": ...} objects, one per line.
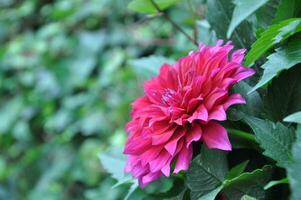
[{"x": 182, "y": 105}]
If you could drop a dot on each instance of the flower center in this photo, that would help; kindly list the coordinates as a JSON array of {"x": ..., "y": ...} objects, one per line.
[{"x": 168, "y": 97}]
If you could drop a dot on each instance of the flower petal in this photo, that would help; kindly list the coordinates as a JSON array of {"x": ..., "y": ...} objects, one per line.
[
  {"x": 183, "y": 159},
  {"x": 218, "y": 113},
  {"x": 234, "y": 99},
  {"x": 215, "y": 137},
  {"x": 194, "y": 134}
]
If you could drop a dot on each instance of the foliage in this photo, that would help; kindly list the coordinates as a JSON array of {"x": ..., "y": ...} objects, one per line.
[{"x": 69, "y": 70}]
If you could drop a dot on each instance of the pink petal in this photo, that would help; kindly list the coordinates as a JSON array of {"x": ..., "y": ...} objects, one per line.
[
  {"x": 215, "y": 136},
  {"x": 149, "y": 178},
  {"x": 166, "y": 169},
  {"x": 183, "y": 159},
  {"x": 244, "y": 73},
  {"x": 156, "y": 164},
  {"x": 194, "y": 134},
  {"x": 201, "y": 113},
  {"x": 218, "y": 113},
  {"x": 172, "y": 145},
  {"x": 215, "y": 97},
  {"x": 234, "y": 99},
  {"x": 137, "y": 146},
  {"x": 238, "y": 56},
  {"x": 163, "y": 137}
]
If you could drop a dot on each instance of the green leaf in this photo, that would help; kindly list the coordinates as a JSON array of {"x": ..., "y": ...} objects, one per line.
[
  {"x": 204, "y": 174},
  {"x": 211, "y": 195},
  {"x": 284, "y": 94},
  {"x": 146, "y": 6},
  {"x": 293, "y": 171},
  {"x": 221, "y": 11},
  {"x": 131, "y": 190},
  {"x": 273, "y": 35},
  {"x": 265, "y": 15},
  {"x": 247, "y": 197},
  {"x": 237, "y": 170},
  {"x": 295, "y": 118},
  {"x": 283, "y": 58},
  {"x": 205, "y": 34},
  {"x": 254, "y": 105},
  {"x": 114, "y": 162},
  {"x": 148, "y": 67},
  {"x": 275, "y": 139},
  {"x": 286, "y": 9},
  {"x": 242, "y": 10},
  {"x": 248, "y": 183},
  {"x": 273, "y": 183}
]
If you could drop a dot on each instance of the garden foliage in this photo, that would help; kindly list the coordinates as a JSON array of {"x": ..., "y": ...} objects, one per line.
[{"x": 69, "y": 70}]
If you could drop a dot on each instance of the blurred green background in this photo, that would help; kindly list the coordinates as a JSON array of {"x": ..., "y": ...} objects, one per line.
[{"x": 67, "y": 76}]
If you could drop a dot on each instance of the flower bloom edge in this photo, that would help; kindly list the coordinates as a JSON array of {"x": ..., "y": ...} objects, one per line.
[{"x": 182, "y": 105}]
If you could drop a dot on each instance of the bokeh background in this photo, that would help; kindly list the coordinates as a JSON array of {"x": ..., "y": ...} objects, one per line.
[{"x": 68, "y": 72}]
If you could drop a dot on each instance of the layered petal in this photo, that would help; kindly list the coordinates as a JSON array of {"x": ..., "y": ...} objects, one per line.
[{"x": 182, "y": 105}]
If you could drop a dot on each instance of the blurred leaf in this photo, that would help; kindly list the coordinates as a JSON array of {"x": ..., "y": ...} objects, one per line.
[
  {"x": 114, "y": 162},
  {"x": 284, "y": 58},
  {"x": 148, "y": 67},
  {"x": 204, "y": 175},
  {"x": 295, "y": 118},
  {"x": 47, "y": 187},
  {"x": 273, "y": 35},
  {"x": 247, "y": 197},
  {"x": 243, "y": 9},
  {"x": 275, "y": 139},
  {"x": 205, "y": 34},
  {"x": 265, "y": 15},
  {"x": 146, "y": 6},
  {"x": 286, "y": 9},
  {"x": 237, "y": 170},
  {"x": 273, "y": 183},
  {"x": 248, "y": 183},
  {"x": 293, "y": 170},
  {"x": 9, "y": 113},
  {"x": 131, "y": 191}
]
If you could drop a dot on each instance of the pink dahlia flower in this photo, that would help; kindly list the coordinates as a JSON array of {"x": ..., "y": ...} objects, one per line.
[{"x": 182, "y": 105}]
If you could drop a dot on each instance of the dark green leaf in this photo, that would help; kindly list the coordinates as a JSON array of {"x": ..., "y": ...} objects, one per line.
[
  {"x": 242, "y": 10},
  {"x": 273, "y": 35},
  {"x": 254, "y": 105},
  {"x": 204, "y": 174},
  {"x": 265, "y": 15},
  {"x": 221, "y": 11},
  {"x": 286, "y": 9},
  {"x": 283, "y": 58},
  {"x": 275, "y": 139},
  {"x": 293, "y": 170},
  {"x": 237, "y": 170},
  {"x": 284, "y": 94},
  {"x": 248, "y": 183}
]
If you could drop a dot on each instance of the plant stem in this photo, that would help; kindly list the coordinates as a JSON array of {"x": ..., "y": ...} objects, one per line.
[
  {"x": 176, "y": 26},
  {"x": 242, "y": 135},
  {"x": 245, "y": 137}
]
